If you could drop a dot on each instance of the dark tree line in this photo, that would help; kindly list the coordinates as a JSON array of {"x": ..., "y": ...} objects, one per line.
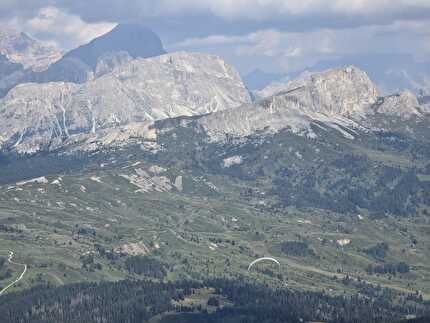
[
  {"x": 142, "y": 265},
  {"x": 393, "y": 269},
  {"x": 378, "y": 251},
  {"x": 138, "y": 301},
  {"x": 296, "y": 248}
]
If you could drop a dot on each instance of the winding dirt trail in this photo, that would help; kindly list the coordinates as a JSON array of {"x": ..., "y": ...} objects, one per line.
[{"x": 11, "y": 253}]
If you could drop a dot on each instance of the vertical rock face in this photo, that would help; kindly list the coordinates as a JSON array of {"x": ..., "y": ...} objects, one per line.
[
  {"x": 20, "y": 48},
  {"x": 34, "y": 116}
]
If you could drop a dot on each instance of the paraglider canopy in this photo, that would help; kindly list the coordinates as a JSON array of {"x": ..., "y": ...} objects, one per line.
[{"x": 263, "y": 259}]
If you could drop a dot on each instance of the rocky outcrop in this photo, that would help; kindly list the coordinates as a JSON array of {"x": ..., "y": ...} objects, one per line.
[
  {"x": 338, "y": 92},
  {"x": 404, "y": 105},
  {"x": 20, "y": 48},
  {"x": 34, "y": 117},
  {"x": 342, "y": 99}
]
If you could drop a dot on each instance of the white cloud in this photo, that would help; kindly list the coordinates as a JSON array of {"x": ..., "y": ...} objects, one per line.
[
  {"x": 270, "y": 33},
  {"x": 296, "y": 50},
  {"x": 210, "y": 40},
  {"x": 267, "y": 9},
  {"x": 58, "y": 27}
]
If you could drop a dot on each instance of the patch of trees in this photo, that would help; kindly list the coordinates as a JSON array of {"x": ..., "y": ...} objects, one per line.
[
  {"x": 143, "y": 265},
  {"x": 296, "y": 248},
  {"x": 89, "y": 264},
  {"x": 5, "y": 274},
  {"x": 378, "y": 251},
  {"x": 2, "y": 262},
  {"x": 391, "y": 268},
  {"x": 394, "y": 140},
  {"x": 9, "y": 229},
  {"x": 86, "y": 232},
  {"x": 355, "y": 165},
  {"x": 139, "y": 301},
  {"x": 350, "y": 182},
  {"x": 108, "y": 254},
  {"x": 213, "y": 301},
  {"x": 424, "y": 319},
  {"x": 14, "y": 168}
]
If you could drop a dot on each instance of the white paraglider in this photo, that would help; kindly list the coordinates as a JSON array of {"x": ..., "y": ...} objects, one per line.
[{"x": 263, "y": 259}]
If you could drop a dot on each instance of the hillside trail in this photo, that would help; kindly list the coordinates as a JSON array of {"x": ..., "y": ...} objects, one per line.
[{"x": 11, "y": 254}]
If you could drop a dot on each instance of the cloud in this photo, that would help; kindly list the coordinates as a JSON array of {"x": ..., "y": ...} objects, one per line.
[
  {"x": 59, "y": 27},
  {"x": 175, "y": 20},
  {"x": 292, "y": 51},
  {"x": 267, "y": 9},
  {"x": 234, "y": 15},
  {"x": 269, "y": 34}
]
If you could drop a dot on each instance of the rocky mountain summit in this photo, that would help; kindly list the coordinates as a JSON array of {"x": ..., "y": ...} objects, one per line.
[
  {"x": 20, "y": 48},
  {"x": 20, "y": 57},
  {"x": 344, "y": 99},
  {"x": 340, "y": 92},
  {"x": 35, "y": 116}
]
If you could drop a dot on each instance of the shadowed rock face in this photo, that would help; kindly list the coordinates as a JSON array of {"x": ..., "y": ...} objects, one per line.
[
  {"x": 135, "y": 39},
  {"x": 123, "y": 43},
  {"x": 9, "y": 73},
  {"x": 7, "y": 67}
]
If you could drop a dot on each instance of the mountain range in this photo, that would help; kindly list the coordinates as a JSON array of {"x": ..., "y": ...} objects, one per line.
[
  {"x": 184, "y": 84},
  {"x": 390, "y": 73},
  {"x": 130, "y": 162}
]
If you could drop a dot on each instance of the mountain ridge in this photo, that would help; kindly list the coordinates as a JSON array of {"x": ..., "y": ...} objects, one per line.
[
  {"x": 36, "y": 115},
  {"x": 343, "y": 99}
]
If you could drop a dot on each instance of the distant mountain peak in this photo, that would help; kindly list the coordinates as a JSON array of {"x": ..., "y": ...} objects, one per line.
[
  {"x": 103, "y": 54},
  {"x": 341, "y": 98},
  {"x": 20, "y": 48},
  {"x": 340, "y": 91},
  {"x": 133, "y": 38}
]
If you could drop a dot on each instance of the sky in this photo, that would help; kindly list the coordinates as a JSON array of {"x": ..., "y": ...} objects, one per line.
[{"x": 279, "y": 36}]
